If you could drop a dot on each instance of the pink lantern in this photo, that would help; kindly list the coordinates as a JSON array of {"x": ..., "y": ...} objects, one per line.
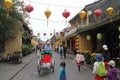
[
  {"x": 66, "y": 14},
  {"x": 97, "y": 12},
  {"x": 29, "y": 8}
]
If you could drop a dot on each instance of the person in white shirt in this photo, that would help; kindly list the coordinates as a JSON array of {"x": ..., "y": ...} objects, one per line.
[{"x": 98, "y": 58}]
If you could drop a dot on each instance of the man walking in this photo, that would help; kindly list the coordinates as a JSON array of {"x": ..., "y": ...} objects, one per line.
[{"x": 64, "y": 51}]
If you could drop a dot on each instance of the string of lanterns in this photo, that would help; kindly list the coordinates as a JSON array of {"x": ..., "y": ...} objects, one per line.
[
  {"x": 29, "y": 8},
  {"x": 38, "y": 34}
]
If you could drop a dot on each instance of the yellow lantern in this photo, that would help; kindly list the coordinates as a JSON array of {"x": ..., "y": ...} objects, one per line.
[
  {"x": 82, "y": 14},
  {"x": 110, "y": 10},
  {"x": 50, "y": 34},
  {"x": 47, "y": 13},
  {"x": 38, "y": 34},
  {"x": 8, "y": 3}
]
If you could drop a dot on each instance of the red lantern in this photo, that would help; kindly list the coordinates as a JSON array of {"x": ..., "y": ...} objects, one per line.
[
  {"x": 44, "y": 34},
  {"x": 29, "y": 8},
  {"x": 67, "y": 30},
  {"x": 97, "y": 12},
  {"x": 31, "y": 33},
  {"x": 66, "y": 14},
  {"x": 56, "y": 33}
]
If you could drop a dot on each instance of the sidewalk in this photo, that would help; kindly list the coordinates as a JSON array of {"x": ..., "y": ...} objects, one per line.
[{"x": 8, "y": 70}]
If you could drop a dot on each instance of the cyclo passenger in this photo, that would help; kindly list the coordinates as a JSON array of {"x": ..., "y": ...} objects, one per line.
[
  {"x": 47, "y": 46},
  {"x": 46, "y": 53}
]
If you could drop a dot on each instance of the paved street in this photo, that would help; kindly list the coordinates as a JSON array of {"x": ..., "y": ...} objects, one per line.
[{"x": 29, "y": 72}]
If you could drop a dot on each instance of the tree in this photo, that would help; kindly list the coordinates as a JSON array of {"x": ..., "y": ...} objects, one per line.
[{"x": 10, "y": 19}]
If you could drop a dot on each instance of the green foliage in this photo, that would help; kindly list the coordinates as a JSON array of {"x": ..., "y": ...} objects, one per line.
[{"x": 9, "y": 23}]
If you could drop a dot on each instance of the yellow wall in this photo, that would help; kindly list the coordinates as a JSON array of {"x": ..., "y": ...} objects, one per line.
[
  {"x": 85, "y": 45},
  {"x": 13, "y": 45}
]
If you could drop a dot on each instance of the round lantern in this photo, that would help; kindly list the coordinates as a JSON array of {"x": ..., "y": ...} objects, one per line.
[
  {"x": 56, "y": 33},
  {"x": 29, "y": 8},
  {"x": 44, "y": 34},
  {"x": 97, "y": 12},
  {"x": 88, "y": 37},
  {"x": 77, "y": 36},
  {"x": 47, "y": 13},
  {"x": 99, "y": 36},
  {"x": 77, "y": 40},
  {"x": 82, "y": 14},
  {"x": 67, "y": 30},
  {"x": 8, "y": 3},
  {"x": 119, "y": 29},
  {"x": 77, "y": 47},
  {"x": 50, "y": 34},
  {"x": 31, "y": 33},
  {"x": 77, "y": 43},
  {"x": 110, "y": 10},
  {"x": 66, "y": 14},
  {"x": 38, "y": 34}
]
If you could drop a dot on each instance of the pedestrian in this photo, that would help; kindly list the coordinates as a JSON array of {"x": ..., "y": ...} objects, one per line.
[
  {"x": 64, "y": 51},
  {"x": 98, "y": 58},
  {"x": 112, "y": 71},
  {"x": 105, "y": 55},
  {"x": 62, "y": 71},
  {"x": 78, "y": 59},
  {"x": 61, "y": 51},
  {"x": 48, "y": 46},
  {"x": 83, "y": 64}
]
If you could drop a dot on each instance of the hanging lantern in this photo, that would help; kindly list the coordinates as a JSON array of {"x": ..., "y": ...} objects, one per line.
[
  {"x": 119, "y": 37},
  {"x": 38, "y": 34},
  {"x": 77, "y": 36},
  {"x": 99, "y": 36},
  {"x": 29, "y": 8},
  {"x": 97, "y": 12},
  {"x": 66, "y": 14},
  {"x": 47, "y": 14},
  {"x": 67, "y": 30},
  {"x": 44, "y": 34},
  {"x": 77, "y": 40},
  {"x": 88, "y": 37},
  {"x": 77, "y": 47},
  {"x": 77, "y": 43},
  {"x": 8, "y": 3},
  {"x": 31, "y": 33},
  {"x": 56, "y": 33},
  {"x": 82, "y": 14},
  {"x": 50, "y": 34},
  {"x": 110, "y": 10},
  {"x": 119, "y": 29}
]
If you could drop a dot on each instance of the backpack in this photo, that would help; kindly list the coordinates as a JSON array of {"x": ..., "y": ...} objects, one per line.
[{"x": 101, "y": 70}]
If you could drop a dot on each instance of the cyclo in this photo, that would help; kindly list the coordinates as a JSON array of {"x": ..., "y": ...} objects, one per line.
[{"x": 46, "y": 62}]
